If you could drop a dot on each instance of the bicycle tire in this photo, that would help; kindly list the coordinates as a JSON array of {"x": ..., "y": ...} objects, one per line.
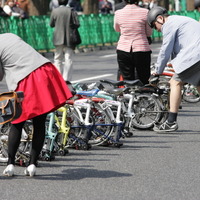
[
  {"x": 23, "y": 152},
  {"x": 147, "y": 112},
  {"x": 4, "y": 130},
  {"x": 190, "y": 94},
  {"x": 163, "y": 84},
  {"x": 103, "y": 127},
  {"x": 76, "y": 126}
]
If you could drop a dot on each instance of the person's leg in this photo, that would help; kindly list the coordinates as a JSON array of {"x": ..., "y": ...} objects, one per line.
[
  {"x": 37, "y": 143},
  {"x": 68, "y": 67},
  {"x": 59, "y": 58},
  {"x": 142, "y": 62},
  {"x": 175, "y": 99},
  {"x": 13, "y": 144},
  {"x": 14, "y": 141},
  {"x": 38, "y": 137},
  {"x": 125, "y": 65}
]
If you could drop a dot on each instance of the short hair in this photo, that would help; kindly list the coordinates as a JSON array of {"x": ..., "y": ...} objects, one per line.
[
  {"x": 62, "y": 2},
  {"x": 132, "y": 1}
]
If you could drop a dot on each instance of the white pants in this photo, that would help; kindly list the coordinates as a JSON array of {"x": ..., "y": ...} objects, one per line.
[{"x": 63, "y": 61}]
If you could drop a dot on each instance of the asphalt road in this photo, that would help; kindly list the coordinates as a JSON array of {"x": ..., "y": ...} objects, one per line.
[{"x": 149, "y": 166}]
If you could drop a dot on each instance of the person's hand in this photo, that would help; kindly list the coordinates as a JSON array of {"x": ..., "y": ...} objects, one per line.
[
  {"x": 149, "y": 40},
  {"x": 153, "y": 75},
  {"x": 154, "y": 78}
]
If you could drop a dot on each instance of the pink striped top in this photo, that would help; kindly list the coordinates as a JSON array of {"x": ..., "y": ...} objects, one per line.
[{"x": 131, "y": 22}]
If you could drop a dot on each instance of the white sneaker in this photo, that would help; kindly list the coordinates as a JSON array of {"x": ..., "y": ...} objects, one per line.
[
  {"x": 9, "y": 171},
  {"x": 166, "y": 127},
  {"x": 30, "y": 170}
]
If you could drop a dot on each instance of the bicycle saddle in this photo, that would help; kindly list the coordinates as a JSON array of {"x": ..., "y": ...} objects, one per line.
[
  {"x": 112, "y": 82},
  {"x": 117, "y": 91},
  {"x": 136, "y": 82}
]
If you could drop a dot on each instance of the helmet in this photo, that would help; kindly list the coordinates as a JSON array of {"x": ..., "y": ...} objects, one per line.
[
  {"x": 153, "y": 14},
  {"x": 196, "y": 3}
]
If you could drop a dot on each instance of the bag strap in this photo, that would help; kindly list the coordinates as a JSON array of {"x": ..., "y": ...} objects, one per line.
[
  {"x": 19, "y": 96},
  {"x": 74, "y": 21}
]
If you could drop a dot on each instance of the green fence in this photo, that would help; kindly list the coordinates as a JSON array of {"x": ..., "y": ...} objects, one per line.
[
  {"x": 35, "y": 30},
  {"x": 95, "y": 30}
]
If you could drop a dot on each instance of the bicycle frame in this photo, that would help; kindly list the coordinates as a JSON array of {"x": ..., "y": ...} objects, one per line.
[{"x": 91, "y": 127}]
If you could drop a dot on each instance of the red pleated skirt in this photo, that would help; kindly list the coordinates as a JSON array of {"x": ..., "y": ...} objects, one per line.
[{"x": 44, "y": 91}]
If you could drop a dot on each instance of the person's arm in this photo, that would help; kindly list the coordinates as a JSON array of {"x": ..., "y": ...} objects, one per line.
[
  {"x": 15, "y": 14},
  {"x": 7, "y": 10},
  {"x": 148, "y": 29},
  {"x": 52, "y": 20},
  {"x": 166, "y": 50},
  {"x": 116, "y": 25},
  {"x": 148, "y": 32},
  {"x": 1, "y": 72},
  {"x": 50, "y": 6},
  {"x": 109, "y": 6}
]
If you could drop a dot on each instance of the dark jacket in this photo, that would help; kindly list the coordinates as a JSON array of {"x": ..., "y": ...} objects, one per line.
[
  {"x": 2, "y": 13},
  {"x": 120, "y": 5}
]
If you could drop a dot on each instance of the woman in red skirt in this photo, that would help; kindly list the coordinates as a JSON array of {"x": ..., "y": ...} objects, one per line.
[{"x": 44, "y": 91}]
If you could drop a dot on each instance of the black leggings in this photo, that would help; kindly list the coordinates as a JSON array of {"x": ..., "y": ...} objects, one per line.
[{"x": 37, "y": 141}]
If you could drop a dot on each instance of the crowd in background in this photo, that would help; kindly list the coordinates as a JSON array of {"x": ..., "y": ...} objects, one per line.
[
  {"x": 20, "y": 8},
  {"x": 17, "y": 8},
  {"x": 105, "y": 6},
  {"x": 76, "y": 4}
]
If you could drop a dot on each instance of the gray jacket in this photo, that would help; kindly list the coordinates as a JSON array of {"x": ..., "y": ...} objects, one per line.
[
  {"x": 17, "y": 59},
  {"x": 60, "y": 19},
  {"x": 181, "y": 44}
]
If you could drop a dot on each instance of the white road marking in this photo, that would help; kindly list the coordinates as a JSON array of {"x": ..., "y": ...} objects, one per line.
[
  {"x": 108, "y": 56},
  {"x": 92, "y": 78},
  {"x": 154, "y": 55},
  {"x": 113, "y": 55}
]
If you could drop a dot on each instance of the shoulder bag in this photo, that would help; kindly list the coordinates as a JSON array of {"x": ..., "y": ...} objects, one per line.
[
  {"x": 75, "y": 38},
  {"x": 10, "y": 106}
]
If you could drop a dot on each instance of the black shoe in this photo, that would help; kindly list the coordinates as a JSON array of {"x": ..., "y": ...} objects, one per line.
[{"x": 166, "y": 127}]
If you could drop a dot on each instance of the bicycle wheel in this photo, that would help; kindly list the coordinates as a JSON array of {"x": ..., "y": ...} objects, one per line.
[
  {"x": 164, "y": 84},
  {"x": 23, "y": 152},
  {"x": 147, "y": 112},
  {"x": 4, "y": 130},
  {"x": 190, "y": 94},
  {"x": 103, "y": 127},
  {"x": 76, "y": 126}
]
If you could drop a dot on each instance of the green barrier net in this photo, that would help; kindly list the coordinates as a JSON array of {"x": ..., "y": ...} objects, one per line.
[
  {"x": 95, "y": 30},
  {"x": 35, "y": 30}
]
